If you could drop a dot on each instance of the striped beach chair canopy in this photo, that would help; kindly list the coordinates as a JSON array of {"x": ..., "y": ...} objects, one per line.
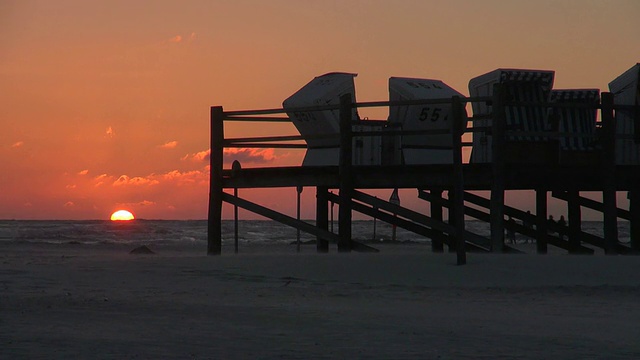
[
  {"x": 525, "y": 86},
  {"x": 580, "y": 122}
]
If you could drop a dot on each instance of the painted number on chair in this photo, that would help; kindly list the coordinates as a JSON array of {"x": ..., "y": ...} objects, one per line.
[{"x": 431, "y": 114}]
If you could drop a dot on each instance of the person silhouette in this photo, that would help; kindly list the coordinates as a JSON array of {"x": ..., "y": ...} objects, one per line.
[{"x": 562, "y": 224}]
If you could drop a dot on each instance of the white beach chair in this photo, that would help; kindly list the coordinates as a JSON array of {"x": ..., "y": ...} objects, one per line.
[
  {"x": 423, "y": 149},
  {"x": 327, "y": 90},
  {"x": 626, "y": 91}
]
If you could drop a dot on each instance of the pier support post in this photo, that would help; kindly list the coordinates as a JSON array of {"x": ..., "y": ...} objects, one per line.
[
  {"x": 346, "y": 174},
  {"x": 457, "y": 205},
  {"x": 634, "y": 222},
  {"x": 437, "y": 245},
  {"x": 498, "y": 129},
  {"x": 574, "y": 216},
  {"x": 322, "y": 217},
  {"x": 214, "y": 225},
  {"x": 541, "y": 221},
  {"x": 610, "y": 208}
]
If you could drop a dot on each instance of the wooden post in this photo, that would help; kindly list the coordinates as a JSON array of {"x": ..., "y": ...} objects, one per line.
[
  {"x": 634, "y": 222},
  {"x": 346, "y": 175},
  {"x": 214, "y": 225},
  {"x": 298, "y": 191},
  {"x": 235, "y": 168},
  {"x": 457, "y": 205},
  {"x": 235, "y": 223},
  {"x": 498, "y": 140},
  {"x": 322, "y": 218},
  {"x": 375, "y": 208},
  {"x": 575, "y": 222},
  {"x": 609, "y": 172},
  {"x": 541, "y": 221},
  {"x": 437, "y": 245}
]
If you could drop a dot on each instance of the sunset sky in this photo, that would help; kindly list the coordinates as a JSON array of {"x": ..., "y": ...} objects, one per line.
[{"x": 104, "y": 105}]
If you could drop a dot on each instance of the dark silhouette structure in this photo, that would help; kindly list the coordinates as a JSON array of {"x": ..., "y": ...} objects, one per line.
[{"x": 536, "y": 142}]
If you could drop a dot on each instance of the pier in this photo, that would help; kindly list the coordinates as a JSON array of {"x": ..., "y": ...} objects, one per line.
[{"x": 555, "y": 160}]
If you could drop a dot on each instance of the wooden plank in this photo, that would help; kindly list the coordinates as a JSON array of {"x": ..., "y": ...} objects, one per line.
[
  {"x": 279, "y": 217},
  {"x": 437, "y": 226},
  {"x": 416, "y": 222},
  {"x": 214, "y": 222},
  {"x": 592, "y": 204},
  {"x": 484, "y": 216}
]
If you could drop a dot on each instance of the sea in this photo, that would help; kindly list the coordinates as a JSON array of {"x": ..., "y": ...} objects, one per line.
[{"x": 190, "y": 236}]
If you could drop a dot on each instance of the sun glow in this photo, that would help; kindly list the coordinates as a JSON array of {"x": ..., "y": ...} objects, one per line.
[{"x": 122, "y": 215}]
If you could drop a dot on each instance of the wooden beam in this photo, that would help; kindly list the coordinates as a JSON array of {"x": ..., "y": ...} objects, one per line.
[
  {"x": 574, "y": 216},
  {"x": 608, "y": 173},
  {"x": 542, "y": 232},
  {"x": 483, "y": 216},
  {"x": 322, "y": 217},
  {"x": 436, "y": 214},
  {"x": 279, "y": 217},
  {"x": 214, "y": 223},
  {"x": 416, "y": 223},
  {"x": 457, "y": 130},
  {"x": 346, "y": 174},
  {"x": 634, "y": 210},
  {"x": 498, "y": 169},
  {"x": 592, "y": 204}
]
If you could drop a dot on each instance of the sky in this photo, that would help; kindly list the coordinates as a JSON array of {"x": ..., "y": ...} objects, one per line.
[{"x": 104, "y": 105}]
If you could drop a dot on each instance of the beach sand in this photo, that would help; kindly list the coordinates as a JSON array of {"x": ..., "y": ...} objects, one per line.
[{"x": 404, "y": 302}]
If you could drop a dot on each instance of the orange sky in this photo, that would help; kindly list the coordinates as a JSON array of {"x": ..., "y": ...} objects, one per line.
[{"x": 105, "y": 104}]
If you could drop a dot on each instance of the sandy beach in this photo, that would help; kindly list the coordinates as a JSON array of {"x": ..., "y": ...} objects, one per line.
[{"x": 404, "y": 302}]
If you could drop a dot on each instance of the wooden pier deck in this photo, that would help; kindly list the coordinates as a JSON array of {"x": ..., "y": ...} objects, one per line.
[{"x": 514, "y": 166}]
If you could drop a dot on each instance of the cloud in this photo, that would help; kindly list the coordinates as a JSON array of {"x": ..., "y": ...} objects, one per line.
[
  {"x": 199, "y": 156},
  {"x": 110, "y": 132},
  {"x": 192, "y": 37},
  {"x": 243, "y": 155},
  {"x": 124, "y": 180},
  {"x": 72, "y": 186},
  {"x": 83, "y": 172},
  {"x": 169, "y": 145},
  {"x": 69, "y": 204},
  {"x": 187, "y": 177},
  {"x": 17, "y": 144},
  {"x": 176, "y": 39}
]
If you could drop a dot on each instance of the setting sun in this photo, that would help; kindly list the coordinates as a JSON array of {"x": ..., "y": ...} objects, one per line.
[{"x": 121, "y": 215}]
